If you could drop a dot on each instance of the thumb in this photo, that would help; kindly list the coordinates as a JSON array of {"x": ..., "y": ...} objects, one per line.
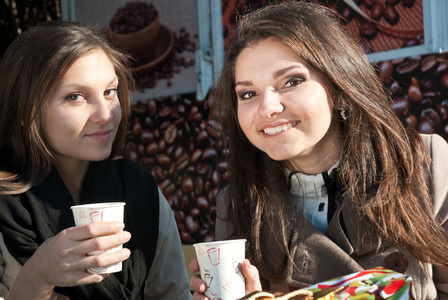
[{"x": 252, "y": 277}]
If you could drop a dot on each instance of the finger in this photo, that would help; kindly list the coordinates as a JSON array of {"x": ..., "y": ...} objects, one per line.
[
  {"x": 194, "y": 266},
  {"x": 79, "y": 277},
  {"x": 198, "y": 296},
  {"x": 252, "y": 277},
  {"x": 197, "y": 284},
  {"x": 103, "y": 243},
  {"x": 102, "y": 260},
  {"x": 87, "y": 231},
  {"x": 83, "y": 277}
]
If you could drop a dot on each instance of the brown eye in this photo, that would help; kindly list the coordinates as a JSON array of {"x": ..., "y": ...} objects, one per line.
[
  {"x": 293, "y": 82},
  {"x": 110, "y": 93},
  {"x": 246, "y": 95},
  {"x": 73, "y": 97}
]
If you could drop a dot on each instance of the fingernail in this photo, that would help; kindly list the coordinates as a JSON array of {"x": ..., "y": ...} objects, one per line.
[
  {"x": 120, "y": 226},
  {"x": 126, "y": 253},
  {"x": 127, "y": 235}
]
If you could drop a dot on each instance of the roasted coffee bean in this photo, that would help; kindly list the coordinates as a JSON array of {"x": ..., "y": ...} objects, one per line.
[
  {"x": 426, "y": 127},
  {"x": 182, "y": 162},
  {"x": 146, "y": 137},
  {"x": 152, "y": 107},
  {"x": 209, "y": 155},
  {"x": 170, "y": 133},
  {"x": 411, "y": 121},
  {"x": 163, "y": 160},
  {"x": 444, "y": 81},
  {"x": 377, "y": 11},
  {"x": 400, "y": 106},
  {"x": 408, "y": 66},
  {"x": 442, "y": 111},
  {"x": 202, "y": 202},
  {"x": 428, "y": 63},
  {"x": 197, "y": 154},
  {"x": 414, "y": 93},
  {"x": 347, "y": 14},
  {"x": 441, "y": 69},
  {"x": 395, "y": 88},
  {"x": 187, "y": 184},
  {"x": 391, "y": 15},
  {"x": 430, "y": 116},
  {"x": 368, "y": 30},
  {"x": 386, "y": 70}
]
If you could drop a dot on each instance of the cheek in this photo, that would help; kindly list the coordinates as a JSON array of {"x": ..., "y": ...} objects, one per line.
[
  {"x": 116, "y": 109},
  {"x": 242, "y": 118}
]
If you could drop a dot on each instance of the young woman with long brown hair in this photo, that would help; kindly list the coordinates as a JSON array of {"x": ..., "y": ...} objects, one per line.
[
  {"x": 324, "y": 178},
  {"x": 64, "y": 106}
]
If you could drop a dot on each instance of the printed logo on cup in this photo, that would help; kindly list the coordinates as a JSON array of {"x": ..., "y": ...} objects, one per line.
[{"x": 219, "y": 267}]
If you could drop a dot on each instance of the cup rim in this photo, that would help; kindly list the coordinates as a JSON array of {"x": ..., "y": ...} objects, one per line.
[
  {"x": 220, "y": 242},
  {"x": 98, "y": 205}
]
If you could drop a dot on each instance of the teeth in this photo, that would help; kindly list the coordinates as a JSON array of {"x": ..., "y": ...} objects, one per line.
[{"x": 278, "y": 129}]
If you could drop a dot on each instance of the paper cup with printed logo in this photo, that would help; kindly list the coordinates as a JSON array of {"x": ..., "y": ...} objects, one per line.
[
  {"x": 100, "y": 212},
  {"x": 219, "y": 264}
]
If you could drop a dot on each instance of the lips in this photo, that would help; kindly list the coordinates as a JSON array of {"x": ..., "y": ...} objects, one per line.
[
  {"x": 100, "y": 135},
  {"x": 278, "y": 129}
]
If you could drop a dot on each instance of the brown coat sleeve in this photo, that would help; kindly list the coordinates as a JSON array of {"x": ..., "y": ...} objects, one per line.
[{"x": 438, "y": 151}]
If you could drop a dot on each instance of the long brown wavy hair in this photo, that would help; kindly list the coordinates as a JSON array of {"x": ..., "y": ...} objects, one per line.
[
  {"x": 30, "y": 70},
  {"x": 382, "y": 166}
]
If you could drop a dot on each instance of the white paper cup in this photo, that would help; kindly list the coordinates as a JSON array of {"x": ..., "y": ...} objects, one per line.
[
  {"x": 219, "y": 264},
  {"x": 95, "y": 213}
]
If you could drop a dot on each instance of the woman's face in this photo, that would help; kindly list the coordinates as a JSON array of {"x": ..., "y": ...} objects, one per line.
[
  {"x": 82, "y": 116},
  {"x": 284, "y": 107}
]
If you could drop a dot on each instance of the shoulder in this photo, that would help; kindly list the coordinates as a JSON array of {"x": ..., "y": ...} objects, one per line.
[
  {"x": 434, "y": 143},
  {"x": 437, "y": 149}
]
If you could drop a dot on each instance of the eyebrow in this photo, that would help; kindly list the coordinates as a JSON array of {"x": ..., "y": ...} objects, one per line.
[
  {"x": 274, "y": 75},
  {"x": 76, "y": 85}
]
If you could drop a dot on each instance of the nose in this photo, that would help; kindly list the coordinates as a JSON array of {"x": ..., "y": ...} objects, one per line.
[
  {"x": 270, "y": 104},
  {"x": 102, "y": 110}
]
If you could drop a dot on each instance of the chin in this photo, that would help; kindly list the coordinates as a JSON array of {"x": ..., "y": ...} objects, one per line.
[
  {"x": 99, "y": 156},
  {"x": 279, "y": 157}
]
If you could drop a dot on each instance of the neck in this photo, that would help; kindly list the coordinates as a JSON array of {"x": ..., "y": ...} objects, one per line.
[
  {"x": 322, "y": 157},
  {"x": 73, "y": 176}
]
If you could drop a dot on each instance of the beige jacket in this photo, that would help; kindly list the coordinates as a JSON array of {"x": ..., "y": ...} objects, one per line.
[{"x": 324, "y": 256}]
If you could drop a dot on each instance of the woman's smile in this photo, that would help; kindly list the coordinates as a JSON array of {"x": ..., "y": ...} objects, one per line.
[{"x": 278, "y": 129}]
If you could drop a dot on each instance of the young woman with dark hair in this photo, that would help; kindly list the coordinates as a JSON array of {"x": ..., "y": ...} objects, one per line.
[{"x": 324, "y": 178}]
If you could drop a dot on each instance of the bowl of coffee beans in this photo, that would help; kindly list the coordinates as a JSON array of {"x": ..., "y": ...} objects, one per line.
[{"x": 135, "y": 29}]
